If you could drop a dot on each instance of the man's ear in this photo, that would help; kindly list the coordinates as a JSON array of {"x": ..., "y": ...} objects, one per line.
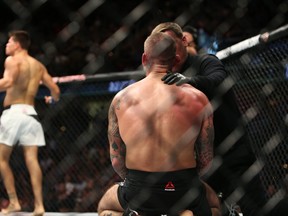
[
  {"x": 144, "y": 59},
  {"x": 184, "y": 41},
  {"x": 17, "y": 44}
]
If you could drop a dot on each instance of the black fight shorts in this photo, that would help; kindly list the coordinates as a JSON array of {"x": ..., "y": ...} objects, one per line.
[{"x": 164, "y": 193}]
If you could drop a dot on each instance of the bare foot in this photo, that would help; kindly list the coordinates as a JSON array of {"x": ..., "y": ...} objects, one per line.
[
  {"x": 38, "y": 212},
  {"x": 11, "y": 208}
]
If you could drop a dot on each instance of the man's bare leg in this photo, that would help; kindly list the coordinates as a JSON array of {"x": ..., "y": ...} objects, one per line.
[
  {"x": 109, "y": 204},
  {"x": 8, "y": 178},
  {"x": 31, "y": 158},
  {"x": 213, "y": 200}
]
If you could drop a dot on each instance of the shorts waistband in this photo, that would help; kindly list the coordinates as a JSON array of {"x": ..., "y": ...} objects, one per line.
[
  {"x": 21, "y": 108},
  {"x": 180, "y": 175},
  {"x": 6, "y": 107}
]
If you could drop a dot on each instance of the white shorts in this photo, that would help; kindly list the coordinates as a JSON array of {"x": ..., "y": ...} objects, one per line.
[{"x": 19, "y": 125}]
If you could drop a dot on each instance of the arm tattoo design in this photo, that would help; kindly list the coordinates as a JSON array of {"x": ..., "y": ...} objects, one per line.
[
  {"x": 117, "y": 146},
  {"x": 204, "y": 146},
  {"x": 118, "y": 104},
  {"x": 113, "y": 129}
]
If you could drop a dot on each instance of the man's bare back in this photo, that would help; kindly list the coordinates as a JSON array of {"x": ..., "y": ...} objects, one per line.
[
  {"x": 27, "y": 80},
  {"x": 23, "y": 74},
  {"x": 157, "y": 128},
  {"x": 159, "y": 124}
]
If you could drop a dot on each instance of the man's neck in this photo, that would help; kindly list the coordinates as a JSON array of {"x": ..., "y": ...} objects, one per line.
[
  {"x": 158, "y": 69},
  {"x": 21, "y": 52}
]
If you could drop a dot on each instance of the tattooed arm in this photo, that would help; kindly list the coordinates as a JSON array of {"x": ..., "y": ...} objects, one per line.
[
  {"x": 204, "y": 143},
  {"x": 117, "y": 146}
]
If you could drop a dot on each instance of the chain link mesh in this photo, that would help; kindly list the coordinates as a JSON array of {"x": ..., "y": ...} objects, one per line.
[
  {"x": 72, "y": 39},
  {"x": 261, "y": 90}
]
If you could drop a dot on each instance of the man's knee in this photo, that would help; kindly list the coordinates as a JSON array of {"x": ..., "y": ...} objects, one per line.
[
  {"x": 109, "y": 200},
  {"x": 187, "y": 213},
  {"x": 100, "y": 208}
]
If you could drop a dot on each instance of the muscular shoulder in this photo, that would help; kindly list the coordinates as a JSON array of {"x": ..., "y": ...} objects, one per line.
[
  {"x": 11, "y": 60},
  {"x": 35, "y": 62},
  {"x": 124, "y": 92},
  {"x": 36, "y": 66},
  {"x": 128, "y": 96},
  {"x": 195, "y": 94},
  {"x": 200, "y": 100}
]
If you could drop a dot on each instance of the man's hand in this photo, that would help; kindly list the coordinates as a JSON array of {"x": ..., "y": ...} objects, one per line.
[
  {"x": 175, "y": 78},
  {"x": 49, "y": 100}
]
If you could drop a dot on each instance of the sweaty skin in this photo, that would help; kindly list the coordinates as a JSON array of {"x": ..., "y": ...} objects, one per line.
[{"x": 155, "y": 145}]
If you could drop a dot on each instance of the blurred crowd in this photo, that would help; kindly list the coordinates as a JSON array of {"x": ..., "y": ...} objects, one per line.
[{"x": 109, "y": 39}]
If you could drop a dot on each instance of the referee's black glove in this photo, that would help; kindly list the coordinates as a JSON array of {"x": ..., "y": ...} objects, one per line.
[{"x": 175, "y": 78}]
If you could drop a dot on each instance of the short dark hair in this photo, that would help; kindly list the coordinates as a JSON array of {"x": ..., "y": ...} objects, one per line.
[
  {"x": 193, "y": 31},
  {"x": 160, "y": 47},
  {"x": 22, "y": 37}
]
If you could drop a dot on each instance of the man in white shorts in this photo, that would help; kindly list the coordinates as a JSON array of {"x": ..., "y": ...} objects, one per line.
[{"x": 19, "y": 124}]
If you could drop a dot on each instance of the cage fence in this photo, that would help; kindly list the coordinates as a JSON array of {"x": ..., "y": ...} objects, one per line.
[
  {"x": 75, "y": 162},
  {"x": 261, "y": 86}
]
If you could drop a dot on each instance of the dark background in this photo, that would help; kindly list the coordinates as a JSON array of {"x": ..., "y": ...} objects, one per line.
[{"x": 78, "y": 37}]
